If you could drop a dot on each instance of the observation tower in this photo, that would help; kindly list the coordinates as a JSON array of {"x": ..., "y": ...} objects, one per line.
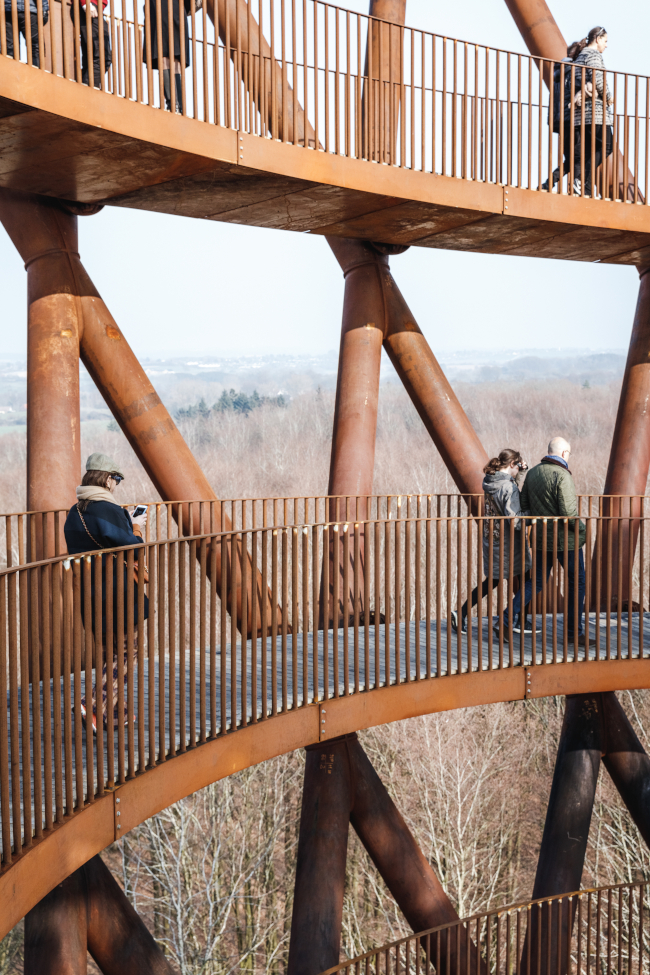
[{"x": 287, "y": 623}]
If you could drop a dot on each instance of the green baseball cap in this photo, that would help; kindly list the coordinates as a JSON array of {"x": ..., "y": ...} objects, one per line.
[{"x": 102, "y": 462}]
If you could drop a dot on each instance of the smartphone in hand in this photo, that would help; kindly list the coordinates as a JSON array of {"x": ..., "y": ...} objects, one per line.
[{"x": 139, "y": 510}]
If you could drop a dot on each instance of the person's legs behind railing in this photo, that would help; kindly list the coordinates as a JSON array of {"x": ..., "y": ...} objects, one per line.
[{"x": 9, "y": 33}]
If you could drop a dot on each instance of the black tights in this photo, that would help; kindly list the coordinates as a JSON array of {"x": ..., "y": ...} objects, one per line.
[{"x": 485, "y": 589}]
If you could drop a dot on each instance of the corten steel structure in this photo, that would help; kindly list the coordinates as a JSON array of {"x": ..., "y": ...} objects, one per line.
[{"x": 379, "y": 137}]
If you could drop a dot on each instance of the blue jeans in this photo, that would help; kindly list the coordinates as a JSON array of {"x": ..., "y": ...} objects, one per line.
[{"x": 539, "y": 568}]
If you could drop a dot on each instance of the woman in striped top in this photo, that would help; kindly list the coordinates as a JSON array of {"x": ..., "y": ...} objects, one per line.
[{"x": 590, "y": 60}]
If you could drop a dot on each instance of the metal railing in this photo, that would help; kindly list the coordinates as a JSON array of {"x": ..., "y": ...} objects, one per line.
[
  {"x": 322, "y": 611},
  {"x": 609, "y": 932},
  {"x": 26, "y": 536},
  {"x": 313, "y": 74}
]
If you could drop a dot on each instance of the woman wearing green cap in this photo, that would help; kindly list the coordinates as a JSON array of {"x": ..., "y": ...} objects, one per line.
[{"x": 98, "y": 521}]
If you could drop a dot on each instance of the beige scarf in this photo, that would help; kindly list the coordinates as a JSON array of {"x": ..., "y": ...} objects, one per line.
[{"x": 88, "y": 492}]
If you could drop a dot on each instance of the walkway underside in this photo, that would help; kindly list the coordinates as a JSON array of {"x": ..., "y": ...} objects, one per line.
[
  {"x": 60, "y": 139},
  {"x": 106, "y": 819}
]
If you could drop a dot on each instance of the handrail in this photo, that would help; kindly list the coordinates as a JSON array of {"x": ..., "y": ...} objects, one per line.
[
  {"x": 327, "y": 79},
  {"x": 361, "y": 606},
  {"x": 610, "y": 926},
  {"x": 41, "y": 532}
]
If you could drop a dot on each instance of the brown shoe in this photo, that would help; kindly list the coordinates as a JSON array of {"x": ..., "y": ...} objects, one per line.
[{"x": 582, "y": 641}]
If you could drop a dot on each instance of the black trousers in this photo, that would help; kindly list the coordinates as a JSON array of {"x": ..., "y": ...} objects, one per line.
[
  {"x": 609, "y": 142},
  {"x": 9, "y": 30},
  {"x": 83, "y": 33}
]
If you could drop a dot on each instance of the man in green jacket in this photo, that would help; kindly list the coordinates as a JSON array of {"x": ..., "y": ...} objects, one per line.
[{"x": 549, "y": 492}]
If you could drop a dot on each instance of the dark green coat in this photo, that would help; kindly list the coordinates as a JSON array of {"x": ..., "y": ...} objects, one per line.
[{"x": 549, "y": 490}]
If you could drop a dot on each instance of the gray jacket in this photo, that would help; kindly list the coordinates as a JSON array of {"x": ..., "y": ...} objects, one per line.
[
  {"x": 33, "y": 8},
  {"x": 501, "y": 496},
  {"x": 589, "y": 60}
]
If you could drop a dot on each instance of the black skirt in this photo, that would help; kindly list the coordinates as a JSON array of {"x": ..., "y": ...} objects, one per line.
[
  {"x": 119, "y": 621},
  {"x": 164, "y": 25}
]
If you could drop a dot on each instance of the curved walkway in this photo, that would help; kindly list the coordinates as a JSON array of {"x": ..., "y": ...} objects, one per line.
[
  {"x": 609, "y": 927},
  {"x": 450, "y": 159},
  {"x": 198, "y": 716}
]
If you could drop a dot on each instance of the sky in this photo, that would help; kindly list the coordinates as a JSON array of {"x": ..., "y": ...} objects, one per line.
[{"x": 179, "y": 286}]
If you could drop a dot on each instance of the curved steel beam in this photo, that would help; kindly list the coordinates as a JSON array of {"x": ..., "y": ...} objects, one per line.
[{"x": 54, "y": 857}]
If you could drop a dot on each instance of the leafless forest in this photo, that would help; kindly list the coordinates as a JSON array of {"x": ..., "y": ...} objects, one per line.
[{"x": 213, "y": 875}]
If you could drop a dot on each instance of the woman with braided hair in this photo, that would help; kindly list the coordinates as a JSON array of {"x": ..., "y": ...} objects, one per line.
[{"x": 501, "y": 499}]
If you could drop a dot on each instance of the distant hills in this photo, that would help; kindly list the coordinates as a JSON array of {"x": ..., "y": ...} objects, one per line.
[{"x": 185, "y": 380}]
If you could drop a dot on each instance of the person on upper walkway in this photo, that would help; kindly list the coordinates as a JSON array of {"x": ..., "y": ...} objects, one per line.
[
  {"x": 503, "y": 474},
  {"x": 14, "y": 30},
  {"x": 549, "y": 492},
  {"x": 158, "y": 12},
  {"x": 562, "y": 106},
  {"x": 98, "y": 521},
  {"x": 95, "y": 18},
  {"x": 597, "y": 108}
]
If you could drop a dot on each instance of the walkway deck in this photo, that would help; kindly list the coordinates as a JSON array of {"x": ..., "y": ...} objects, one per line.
[
  {"x": 288, "y": 686},
  {"x": 62, "y": 139}
]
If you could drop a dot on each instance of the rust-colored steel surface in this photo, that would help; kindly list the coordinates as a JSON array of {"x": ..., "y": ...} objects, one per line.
[
  {"x": 46, "y": 239},
  {"x": 480, "y": 125},
  {"x": 611, "y": 930},
  {"x": 566, "y": 830},
  {"x": 341, "y": 786},
  {"x": 55, "y": 931},
  {"x": 41, "y": 232},
  {"x": 264, "y": 76},
  {"x": 327, "y": 796},
  {"x": 393, "y": 849},
  {"x": 89, "y": 912},
  {"x": 371, "y": 291},
  {"x": 432, "y": 394},
  {"x": 538, "y": 28},
  {"x": 627, "y": 762},
  {"x": 118, "y": 939},
  {"x": 357, "y": 388},
  {"x": 629, "y": 459},
  {"x": 384, "y": 70}
]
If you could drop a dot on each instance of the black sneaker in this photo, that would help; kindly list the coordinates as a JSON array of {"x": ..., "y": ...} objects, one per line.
[
  {"x": 528, "y": 627},
  {"x": 454, "y": 622}
]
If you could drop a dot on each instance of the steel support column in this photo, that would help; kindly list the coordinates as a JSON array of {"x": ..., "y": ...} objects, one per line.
[
  {"x": 432, "y": 395},
  {"x": 89, "y": 912},
  {"x": 55, "y": 931},
  {"x": 341, "y": 786},
  {"x": 371, "y": 291},
  {"x": 118, "y": 939},
  {"x": 320, "y": 864},
  {"x": 46, "y": 239},
  {"x": 627, "y": 472},
  {"x": 566, "y": 831},
  {"x": 234, "y": 20},
  {"x": 384, "y": 72},
  {"x": 357, "y": 386},
  {"x": 627, "y": 762},
  {"x": 392, "y": 848},
  {"x": 629, "y": 459},
  {"x": 71, "y": 320}
]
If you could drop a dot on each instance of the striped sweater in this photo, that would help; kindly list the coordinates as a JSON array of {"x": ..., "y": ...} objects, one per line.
[{"x": 593, "y": 67}]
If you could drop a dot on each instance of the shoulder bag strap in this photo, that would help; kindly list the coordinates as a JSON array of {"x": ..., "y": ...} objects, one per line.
[{"x": 86, "y": 527}]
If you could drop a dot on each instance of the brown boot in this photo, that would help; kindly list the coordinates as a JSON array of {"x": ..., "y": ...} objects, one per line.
[{"x": 583, "y": 642}]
